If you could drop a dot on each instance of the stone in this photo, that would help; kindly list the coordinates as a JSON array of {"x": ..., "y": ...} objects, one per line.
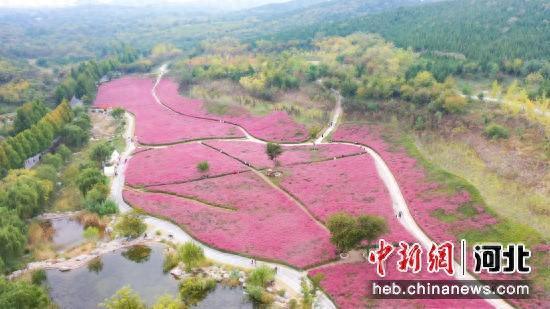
[{"x": 177, "y": 272}]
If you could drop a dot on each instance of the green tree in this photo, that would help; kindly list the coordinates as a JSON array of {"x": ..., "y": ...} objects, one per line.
[
  {"x": 22, "y": 295},
  {"x": 4, "y": 161},
  {"x": 344, "y": 231},
  {"x": 24, "y": 193},
  {"x": 101, "y": 152},
  {"x": 88, "y": 178},
  {"x": 371, "y": 227},
  {"x": 53, "y": 160},
  {"x": 12, "y": 237},
  {"x": 74, "y": 136},
  {"x": 130, "y": 225},
  {"x": 125, "y": 298},
  {"x": 273, "y": 150},
  {"x": 31, "y": 140},
  {"x": 64, "y": 152},
  {"x": 191, "y": 255}
]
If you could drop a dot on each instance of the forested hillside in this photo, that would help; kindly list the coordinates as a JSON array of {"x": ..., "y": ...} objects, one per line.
[{"x": 482, "y": 30}]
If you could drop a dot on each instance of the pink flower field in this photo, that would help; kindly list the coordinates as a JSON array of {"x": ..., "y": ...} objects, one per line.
[
  {"x": 156, "y": 124},
  {"x": 422, "y": 195},
  {"x": 178, "y": 163},
  {"x": 277, "y": 126},
  {"x": 264, "y": 223},
  {"x": 255, "y": 154},
  {"x": 349, "y": 285},
  {"x": 348, "y": 185}
]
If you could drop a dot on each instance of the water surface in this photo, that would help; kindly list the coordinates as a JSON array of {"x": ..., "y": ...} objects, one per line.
[
  {"x": 67, "y": 233},
  {"x": 86, "y": 287},
  {"x": 139, "y": 267}
]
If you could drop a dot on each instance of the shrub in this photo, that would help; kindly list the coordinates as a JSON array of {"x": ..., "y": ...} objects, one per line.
[
  {"x": 64, "y": 152},
  {"x": 125, "y": 298},
  {"x": 98, "y": 193},
  {"x": 171, "y": 260},
  {"x": 38, "y": 276},
  {"x": 168, "y": 302},
  {"x": 108, "y": 207},
  {"x": 454, "y": 104},
  {"x": 104, "y": 208},
  {"x": 259, "y": 295},
  {"x": 203, "y": 166},
  {"x": 91, "y": 233},
  {"x": 130, "y": 225},
  {"x": 53, "y": 160},
  {"x": 191, "y": 254},
  {"x": 47, "y": 171},
  {"x": 261, "y": 276},
  {"x": 495, "y": 131},
  {"x": 314, "y": 131},
  {"x": 195, "y": 289},
  {"x": 419, "y": 123},
  {"x": 373, "y": 107},
  {"x": 117, "y": 113}
]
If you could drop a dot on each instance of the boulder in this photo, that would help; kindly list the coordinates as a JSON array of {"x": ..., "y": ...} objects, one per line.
[{"x": 177, "y": 272}]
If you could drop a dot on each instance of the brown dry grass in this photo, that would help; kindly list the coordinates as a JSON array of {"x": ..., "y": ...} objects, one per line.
[
  {"x": 88, "y": 219},
  {"x": 39, "y": 240}
]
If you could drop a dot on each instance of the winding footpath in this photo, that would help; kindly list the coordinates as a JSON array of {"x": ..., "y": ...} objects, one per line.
[{"x": 287, "y": 275}]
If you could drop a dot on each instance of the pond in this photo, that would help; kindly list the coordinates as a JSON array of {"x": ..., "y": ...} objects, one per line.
[
  {"x": 140, "y": 268},
  {"x": 67, "y": 233}
]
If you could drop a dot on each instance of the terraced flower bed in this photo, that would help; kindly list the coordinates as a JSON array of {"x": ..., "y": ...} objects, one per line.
[
  {"x": 255, "y": 154},
  {"x": 178, "y": 163},
  {"x": 435, "y": 209},
  {"x": 156, "y": 124},
  {"x": 242, "y": 214},
  {"x": 277, "y": 126},
  {"x": 348, "y": 185}
]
